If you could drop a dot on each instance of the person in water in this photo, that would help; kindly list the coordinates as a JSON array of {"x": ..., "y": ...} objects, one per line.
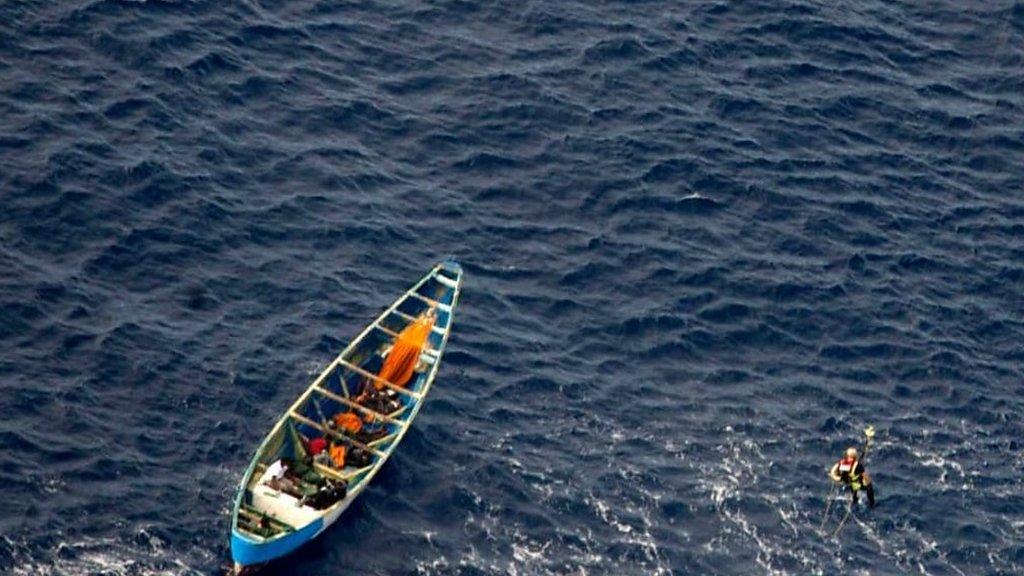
[{"x": 851, "y": 472}]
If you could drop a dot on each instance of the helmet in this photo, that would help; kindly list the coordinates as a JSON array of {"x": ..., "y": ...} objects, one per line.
[{"x": 851, "y": 452}]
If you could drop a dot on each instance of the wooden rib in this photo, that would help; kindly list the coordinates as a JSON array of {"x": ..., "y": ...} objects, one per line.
[
  {"x": 387, "y": 331},
  {"x": 438, "y": 329},
  {"x": 328, "y": 471},
  {"x": 446, "y": 281},
  {"x": 338, "y": 475},
  {"x": 259, "y": 515},
  {"x": 357, "y": 472},
  {"x": 319, "y": 410},
  {"x": 439, "y": 305},
  {"x": 341, "y": 383},
  {"x": 359, "y": 407},
  {"x": 338, "y": 435},
  {"x": 384, "y": 439},
  {"x": 403, "y": 315},
  {"x": 376, "y": 378}
]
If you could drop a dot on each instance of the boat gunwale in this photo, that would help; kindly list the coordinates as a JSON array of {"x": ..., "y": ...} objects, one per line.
[{"x": 416, "y": 401}]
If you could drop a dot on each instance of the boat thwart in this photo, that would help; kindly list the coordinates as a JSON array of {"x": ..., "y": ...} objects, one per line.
[{"x": 286, "y": 497}]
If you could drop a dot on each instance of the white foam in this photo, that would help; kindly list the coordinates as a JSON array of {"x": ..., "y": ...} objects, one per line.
[
  {"x": 742, "y": 464},
  {"x": 506, "y": 545},
  {"x": 108, "y": 556}
]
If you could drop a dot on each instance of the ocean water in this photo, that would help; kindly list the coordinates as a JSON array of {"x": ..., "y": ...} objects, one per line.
[{"x": 705, "y": 245}]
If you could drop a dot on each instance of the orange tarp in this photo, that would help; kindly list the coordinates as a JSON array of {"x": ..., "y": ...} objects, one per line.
[{"x": 405, "y": 354}]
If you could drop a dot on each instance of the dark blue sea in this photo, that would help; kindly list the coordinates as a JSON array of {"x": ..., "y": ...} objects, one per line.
[{"x": 705, "y": 244}]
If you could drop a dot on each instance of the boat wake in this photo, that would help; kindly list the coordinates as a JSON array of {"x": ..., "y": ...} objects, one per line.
[{"x": 142, "y": 554}]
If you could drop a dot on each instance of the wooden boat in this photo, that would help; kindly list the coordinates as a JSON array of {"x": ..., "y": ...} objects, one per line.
[{"x": 270, "y": 521}]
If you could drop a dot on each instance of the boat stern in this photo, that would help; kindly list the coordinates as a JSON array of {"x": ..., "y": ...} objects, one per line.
[{"x": 247, "y": 551}]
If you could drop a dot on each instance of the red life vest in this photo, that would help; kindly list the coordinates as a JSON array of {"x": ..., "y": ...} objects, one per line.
[{"x": 846, "y": 467}]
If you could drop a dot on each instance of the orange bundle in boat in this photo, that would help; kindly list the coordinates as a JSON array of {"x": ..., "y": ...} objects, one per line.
[
  {"x": 349, "y": 422},
  {"x": 405, "y": 354},
  {"x": 337, "y": 453}
]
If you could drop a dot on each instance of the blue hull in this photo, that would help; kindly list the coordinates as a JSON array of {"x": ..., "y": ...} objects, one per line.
[{"x": 248, "y": 552}]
